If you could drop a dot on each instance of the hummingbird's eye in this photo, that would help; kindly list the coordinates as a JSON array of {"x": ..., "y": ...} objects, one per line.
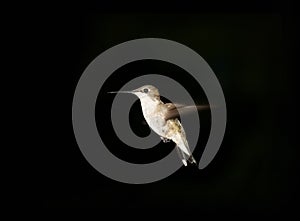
[{"x": 146, "y": 90}]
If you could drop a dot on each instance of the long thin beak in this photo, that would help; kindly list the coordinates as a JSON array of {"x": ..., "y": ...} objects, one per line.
[{"x": 124, "y": 92}]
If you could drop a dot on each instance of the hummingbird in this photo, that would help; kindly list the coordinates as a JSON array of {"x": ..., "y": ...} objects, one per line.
[{"x": 162, "y": 118}]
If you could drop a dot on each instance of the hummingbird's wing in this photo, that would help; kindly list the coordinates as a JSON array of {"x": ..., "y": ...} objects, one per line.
[{"x": 175, "y": 110}]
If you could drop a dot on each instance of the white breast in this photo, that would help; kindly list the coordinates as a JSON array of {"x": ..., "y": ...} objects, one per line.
[{"x": 153, "y": 117}]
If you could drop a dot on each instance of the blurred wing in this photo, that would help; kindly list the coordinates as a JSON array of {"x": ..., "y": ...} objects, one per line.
[{"x": 175, "y": 110}]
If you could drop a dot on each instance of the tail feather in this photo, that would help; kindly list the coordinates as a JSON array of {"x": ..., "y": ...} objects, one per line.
[
  {"x": 184, "y": 157},
  {"x": 192, "y": 160}
]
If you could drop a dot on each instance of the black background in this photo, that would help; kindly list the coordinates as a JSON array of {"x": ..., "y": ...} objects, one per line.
[{"x": 249, "y": 46}]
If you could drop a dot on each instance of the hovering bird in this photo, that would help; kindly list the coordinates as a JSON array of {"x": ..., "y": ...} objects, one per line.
[{"x": 163, "y": 119}]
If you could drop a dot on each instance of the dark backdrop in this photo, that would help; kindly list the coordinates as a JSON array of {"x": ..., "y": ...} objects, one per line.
[{"x": 249, "y": 47}]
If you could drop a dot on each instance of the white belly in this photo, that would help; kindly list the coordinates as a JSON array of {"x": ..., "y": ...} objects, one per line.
[
  {"x": 157, "y": 124},
  {"x": 154, "y": 118}
]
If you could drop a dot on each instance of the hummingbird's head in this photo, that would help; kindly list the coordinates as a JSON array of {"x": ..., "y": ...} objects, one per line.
[
  {"x": 141, "y": 92},
  {"x": 146, "y": 90}
]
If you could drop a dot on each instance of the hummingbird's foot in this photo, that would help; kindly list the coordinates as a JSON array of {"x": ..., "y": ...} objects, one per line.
[{"x": 165, "y": 140}]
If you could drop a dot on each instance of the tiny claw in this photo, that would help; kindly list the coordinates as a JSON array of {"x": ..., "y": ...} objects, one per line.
[{"x": 165, "y": 140}]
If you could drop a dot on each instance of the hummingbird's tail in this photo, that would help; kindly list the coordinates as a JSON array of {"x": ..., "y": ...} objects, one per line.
[
  {"x": 182, "y": 145},
  {"x": 184, "y": 157},
  {"x": 192, "y": 160}
]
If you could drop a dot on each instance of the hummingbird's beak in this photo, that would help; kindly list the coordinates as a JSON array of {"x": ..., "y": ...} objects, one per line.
[{"x": 124, "y": 92}]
